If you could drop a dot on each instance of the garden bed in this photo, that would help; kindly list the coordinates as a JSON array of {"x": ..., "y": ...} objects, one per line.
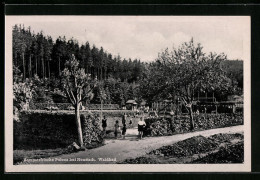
[{"x": 219, "y": 148}]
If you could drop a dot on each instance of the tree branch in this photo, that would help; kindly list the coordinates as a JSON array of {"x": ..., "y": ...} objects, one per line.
[
  {"x": 73, "y": 97},
  {"x": 86, "y": 96},
  {"x": 72, "y": 101}
]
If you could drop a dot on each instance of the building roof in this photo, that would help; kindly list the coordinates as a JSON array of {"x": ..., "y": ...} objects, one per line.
[{"x": 131, "y": 101}]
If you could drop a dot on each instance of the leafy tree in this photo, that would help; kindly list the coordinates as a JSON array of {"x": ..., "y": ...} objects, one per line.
[
  {"x": 185, "y": 70},
  {"x": 78, "y": 87},
  {"x": 234, "y": 69}
]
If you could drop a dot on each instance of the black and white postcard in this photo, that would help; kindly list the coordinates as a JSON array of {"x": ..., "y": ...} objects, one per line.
[{"x": 127, "y": 94}]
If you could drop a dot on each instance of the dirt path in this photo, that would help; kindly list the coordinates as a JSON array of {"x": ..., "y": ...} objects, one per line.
[{"x": 130, "y": 147}]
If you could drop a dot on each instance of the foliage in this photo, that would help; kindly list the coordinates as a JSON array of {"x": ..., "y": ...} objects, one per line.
[
  {"x": 183, "y": 72},
  {"x": 37, "y": 57},
  {"x": 22, "y": 94},
  {"x": 91, "y": 131},
  {"x": 77, "y": 85},
  {"x": 234, "y": 70},
  {"x": 37, "y": 54}
]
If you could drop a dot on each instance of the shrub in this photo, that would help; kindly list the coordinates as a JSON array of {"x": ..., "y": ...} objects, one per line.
[{"x": 91, "y": 129}]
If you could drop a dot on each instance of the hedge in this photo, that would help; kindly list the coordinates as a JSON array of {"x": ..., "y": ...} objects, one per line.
[
  {"x": 49, "y": 130},
  {"x": 160, "y": 126}
]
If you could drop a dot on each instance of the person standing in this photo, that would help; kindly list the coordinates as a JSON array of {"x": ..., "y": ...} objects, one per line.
[
  {"x": 124, "y": 119},
  {"x": 104, "y": 124},
  {"x": 131, "y": 122},
  {"x": 123, "y": 131},
  {"x": 141, "y": 126},
  {"x": 116, "y": 128}
]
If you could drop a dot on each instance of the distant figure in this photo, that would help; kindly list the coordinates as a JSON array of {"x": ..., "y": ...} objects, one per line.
[
  {"x": 123, "y": 131},
  {"x": 141, "y": 125},
  {"x": 116, "y": 128},
  {"x": 104, "y": 124},
  {"x": 130, "y": 122},
  {"x": 124, "y": 119},
  {"x": 197, "y": 112}
]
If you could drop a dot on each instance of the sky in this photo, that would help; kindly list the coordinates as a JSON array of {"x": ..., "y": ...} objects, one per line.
[{"x": 143, "y": 37}]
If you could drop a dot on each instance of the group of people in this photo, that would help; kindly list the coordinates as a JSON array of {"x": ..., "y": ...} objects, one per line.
[{"x": 141, "y": 126}]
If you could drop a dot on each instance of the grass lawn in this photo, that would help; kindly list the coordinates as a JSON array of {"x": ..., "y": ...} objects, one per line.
[{"x": 20, "y": 155}]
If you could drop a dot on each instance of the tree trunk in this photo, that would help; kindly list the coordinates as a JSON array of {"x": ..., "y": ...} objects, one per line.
[
  {"x": 78, "y": 123},
  {"x": 98, "y": 74},
  {"x": 36, "y": 67},
  {"x": 30, "y": 66},
  {"x": 15, "y": 59},
  {"x": 45, "y": 69},
  {"x": 49, "y": 72},
  {"x": 191, "y": 119},
  {"x": 42, "y": 68},
  {"x": 59, "y": 65},
  {"x": 23, "y": 67},
  {"x": 101, "y": 74}
]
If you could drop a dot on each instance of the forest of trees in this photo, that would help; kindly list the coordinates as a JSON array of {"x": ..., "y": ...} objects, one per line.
[
  {"x": 41, "y": 60},
  {"x": 37, "y": 54}
]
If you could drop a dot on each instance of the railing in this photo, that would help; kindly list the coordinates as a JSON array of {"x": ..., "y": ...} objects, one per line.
[
  {"x": 66, "y": 106},
  {"x": 209, "y": 107}
]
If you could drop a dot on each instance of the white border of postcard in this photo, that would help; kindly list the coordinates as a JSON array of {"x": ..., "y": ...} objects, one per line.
[{"x": 9, "y": 167}]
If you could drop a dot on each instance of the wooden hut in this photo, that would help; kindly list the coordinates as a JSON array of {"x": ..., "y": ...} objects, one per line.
[{"x": 131, "y": 105}]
